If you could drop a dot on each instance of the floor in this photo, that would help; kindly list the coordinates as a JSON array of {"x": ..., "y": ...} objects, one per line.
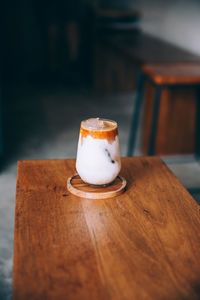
[{"x": 44, "y": 123}]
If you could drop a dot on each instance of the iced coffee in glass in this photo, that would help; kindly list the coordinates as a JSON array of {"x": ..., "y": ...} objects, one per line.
[{"x": 98, "y": 156}]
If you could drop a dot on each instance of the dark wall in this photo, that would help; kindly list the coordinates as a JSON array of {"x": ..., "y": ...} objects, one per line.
[{"x": 24, "y": 41}]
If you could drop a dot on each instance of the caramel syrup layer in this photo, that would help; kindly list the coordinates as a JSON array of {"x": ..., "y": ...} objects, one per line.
[{"x": 99, "y": 134}]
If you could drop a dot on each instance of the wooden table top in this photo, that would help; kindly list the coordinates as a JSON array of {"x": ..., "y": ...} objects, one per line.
[
  {"x": 143, "y": 244},
  {"x": 179, "y": 73}
]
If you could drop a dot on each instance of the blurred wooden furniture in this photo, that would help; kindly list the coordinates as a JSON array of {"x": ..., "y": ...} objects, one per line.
[
  {"x": 117, "y": 19},
  {"x": 166, "y": 77},
  {"x": 119, "y": 55},
  {"x": 142, "y": 244},
  {"x": 119, "y": 58}
]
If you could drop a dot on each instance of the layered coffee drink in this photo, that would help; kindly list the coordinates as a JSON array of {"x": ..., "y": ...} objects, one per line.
[{"x": 98, "y": 156}]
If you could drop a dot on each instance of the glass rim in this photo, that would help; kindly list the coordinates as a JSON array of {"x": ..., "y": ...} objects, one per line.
[{"x": 101, "y": 119}]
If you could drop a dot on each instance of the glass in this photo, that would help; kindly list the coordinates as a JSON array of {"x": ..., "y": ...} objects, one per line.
[{"x": 98, "y": 159}]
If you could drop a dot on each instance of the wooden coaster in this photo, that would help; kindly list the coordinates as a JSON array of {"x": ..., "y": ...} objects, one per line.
[{"x": 84, "y": 190}]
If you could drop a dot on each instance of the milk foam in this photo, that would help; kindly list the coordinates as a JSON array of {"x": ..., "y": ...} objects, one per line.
[{"x": 98, "y": 124}]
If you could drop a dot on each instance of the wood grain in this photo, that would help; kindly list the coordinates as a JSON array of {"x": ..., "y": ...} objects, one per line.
[{"x": 143, "y": 244}]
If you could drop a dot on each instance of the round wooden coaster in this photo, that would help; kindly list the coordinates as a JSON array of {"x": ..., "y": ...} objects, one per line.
[{"x": 84, "y": 190}]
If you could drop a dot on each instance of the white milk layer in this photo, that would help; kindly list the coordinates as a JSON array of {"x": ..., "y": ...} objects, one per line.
[{"x": 98, "y": 161}]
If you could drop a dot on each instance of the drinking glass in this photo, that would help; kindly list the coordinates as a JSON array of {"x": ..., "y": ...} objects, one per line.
[{"x": 98, "y": 159}]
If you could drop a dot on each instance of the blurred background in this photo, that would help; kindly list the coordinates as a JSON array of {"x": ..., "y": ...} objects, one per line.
[{"x": 63, "y": 61}]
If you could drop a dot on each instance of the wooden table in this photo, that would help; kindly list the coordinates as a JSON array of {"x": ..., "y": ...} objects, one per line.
[{"x": 144, "y": 244}]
